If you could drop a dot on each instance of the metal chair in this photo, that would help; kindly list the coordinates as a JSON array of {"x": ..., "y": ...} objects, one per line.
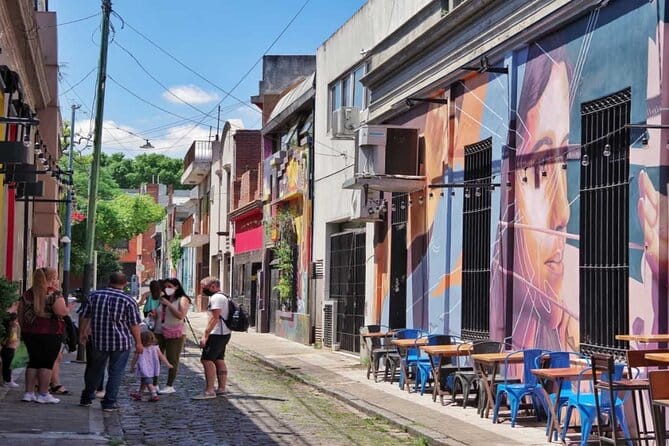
[
  {"x": 516, "y": 392},
  {"x": 376, "y": 349},
  {"x": 466, "y": 378},
  {"x": 659, "y": 396},
  {"x": 591, "y": 406},
  {"x": 423, "y": 364}
]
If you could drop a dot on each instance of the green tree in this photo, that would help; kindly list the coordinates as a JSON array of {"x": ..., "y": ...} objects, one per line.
[{"x": 146, "y": 168}]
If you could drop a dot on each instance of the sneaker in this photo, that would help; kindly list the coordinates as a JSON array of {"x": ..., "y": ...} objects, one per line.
[
  {"x": 85, "y": 403},
  {"x": 154, "y": 398},
  {"x": 166, "y": 390},
  {"x": 47, "y": 399},
  {"x": 28, "y": 397},
  {"x": 100, "y": 394},
  {"x": 136, "y": 396},
  {"x": 10, "y": 384},
  {"x": 113, "y": 408},
  {"x": 204, "y": 396}
]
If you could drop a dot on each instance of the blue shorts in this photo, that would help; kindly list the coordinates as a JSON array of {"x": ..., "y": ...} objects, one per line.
[{"x": 147, "y": 380}]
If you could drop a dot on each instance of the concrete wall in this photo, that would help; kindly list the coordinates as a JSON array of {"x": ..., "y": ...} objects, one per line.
[{"x": 333, "y": 163}]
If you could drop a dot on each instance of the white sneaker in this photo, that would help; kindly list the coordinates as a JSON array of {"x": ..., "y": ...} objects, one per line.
[
  {"x": 166, "y": 390},
  {"x": 10, "y": 384},
  {"x": 47, "y": 399},
  {"x": 28, "y": 397}
]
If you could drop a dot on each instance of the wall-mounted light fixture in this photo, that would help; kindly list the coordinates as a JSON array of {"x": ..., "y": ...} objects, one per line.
[
  {"x": 219, "y": 255},
  {"x": 485, "y": 67}
]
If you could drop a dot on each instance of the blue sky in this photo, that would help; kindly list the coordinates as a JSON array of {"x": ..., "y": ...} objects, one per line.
[{"x": 221, "y": 39}]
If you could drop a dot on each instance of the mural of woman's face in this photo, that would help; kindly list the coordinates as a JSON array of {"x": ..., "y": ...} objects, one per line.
[{"x": 541, "y": 201}]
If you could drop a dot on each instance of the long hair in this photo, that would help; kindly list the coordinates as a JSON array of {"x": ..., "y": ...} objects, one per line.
[
  {"x": 179, "y": 291},
  {"x": 40, "y": 288}
]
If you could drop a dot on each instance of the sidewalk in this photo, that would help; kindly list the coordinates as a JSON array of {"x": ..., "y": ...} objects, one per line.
[
  {"x": 344, "y": 377},
  {"x": 65, "y": 423}
]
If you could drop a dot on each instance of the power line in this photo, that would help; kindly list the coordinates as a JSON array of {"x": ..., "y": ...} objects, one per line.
[
  {"x": 283, "y": 31},
  {"x": 146, "y": 101},
  {"x": 80, "y": 81},
  {"x": 167, "y": 89},
  {"x": 184, "y": 65},
  {"x": 73, "y": 21}
]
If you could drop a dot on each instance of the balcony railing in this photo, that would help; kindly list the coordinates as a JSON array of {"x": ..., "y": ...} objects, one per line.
[{"x": 199, "y": 151}]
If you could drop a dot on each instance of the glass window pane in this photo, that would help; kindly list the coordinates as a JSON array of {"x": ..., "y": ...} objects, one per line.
[
  {"x": 358, "y": 89},
  {"x": 336, "y": 96},
  {"x": 346, "y": 82}
]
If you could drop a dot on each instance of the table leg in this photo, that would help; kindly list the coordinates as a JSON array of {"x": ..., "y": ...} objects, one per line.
[
  {"x": 404, "y": 373},
  {"x": 488, "y": 387},
  {"x": 555, "y": 424}
]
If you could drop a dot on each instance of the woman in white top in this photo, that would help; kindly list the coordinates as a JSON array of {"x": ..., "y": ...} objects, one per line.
[{"x": 169, "y": 330}]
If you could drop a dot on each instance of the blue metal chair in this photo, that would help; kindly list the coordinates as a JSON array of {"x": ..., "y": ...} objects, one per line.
[
  {"x": 591, "y": 405},
  {"x": 554, "y": 360},
  {"x": 516, "y": 392},
  {"x": 412, "y": 353},
  {"x": 423, "y": 363}
]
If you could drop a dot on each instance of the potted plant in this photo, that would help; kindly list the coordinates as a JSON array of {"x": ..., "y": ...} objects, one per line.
[{"x": 9, "y": 294}]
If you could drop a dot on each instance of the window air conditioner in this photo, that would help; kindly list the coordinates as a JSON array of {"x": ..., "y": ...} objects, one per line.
[
  {"x": 344, "y": 121},
  {"x": 386, "y": 150}
]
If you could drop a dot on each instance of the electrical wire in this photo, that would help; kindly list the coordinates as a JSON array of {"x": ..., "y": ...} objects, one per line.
[
  {"x": 183, "y": 64},
  {"x": 73, "y": 21},
  {"x": 146, "y": 101},
  {"x": 283, "y": 31},
  {"x": 167, "y": 89},
  {"x": 80, "y": 81}
]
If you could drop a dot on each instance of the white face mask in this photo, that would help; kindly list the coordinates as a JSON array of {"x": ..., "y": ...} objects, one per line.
[{"x": 169, "y": 291}]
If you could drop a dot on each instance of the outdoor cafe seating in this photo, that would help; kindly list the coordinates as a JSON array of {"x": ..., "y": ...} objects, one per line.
[{"x": 378, "y": 350}]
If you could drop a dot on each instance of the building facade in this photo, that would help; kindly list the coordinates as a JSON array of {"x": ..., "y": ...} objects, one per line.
[
  {"x": 30, "y": 131},
  {"x": 541, "y": 137}
]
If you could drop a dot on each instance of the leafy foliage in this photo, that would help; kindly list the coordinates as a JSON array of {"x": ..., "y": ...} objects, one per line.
[
  {"x": 146, "y": 168},
  {"x": 282, "y": 228},
  {"x": 8, "y": 295},
  {"x": 176, "y": 252}
]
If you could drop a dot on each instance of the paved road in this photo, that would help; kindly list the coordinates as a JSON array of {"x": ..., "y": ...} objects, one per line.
[{"x": 264, "y": 408}]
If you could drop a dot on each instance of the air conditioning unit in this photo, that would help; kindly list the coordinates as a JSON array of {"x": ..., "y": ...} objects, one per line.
[
  {"x": 330, "y": 324},
  {"x": 344, "y": 121},
  {"x": 386, "y": 150},
  {"x": 366, "y": 205}
]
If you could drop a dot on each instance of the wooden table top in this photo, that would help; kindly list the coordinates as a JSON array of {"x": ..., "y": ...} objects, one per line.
[
  {"x": 660, "y": 357},
  {"x": 378, "y": 334},
  {"x": 447, "y": 350},
  {"x": 408, "y": 342},
  {"x": 496, "y": 358},
  {"x": 645, "y": 338},
  {"x": 565, "y": 373}
]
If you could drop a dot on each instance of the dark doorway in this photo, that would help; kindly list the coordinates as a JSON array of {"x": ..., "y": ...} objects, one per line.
[
  {"x": 398, "y": 261},
  {"x": 347, "y": 286},
  {"x": 255, "y": 267}
]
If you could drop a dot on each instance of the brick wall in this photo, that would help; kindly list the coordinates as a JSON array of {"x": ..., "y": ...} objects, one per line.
[{"x": 248, "y": 155}]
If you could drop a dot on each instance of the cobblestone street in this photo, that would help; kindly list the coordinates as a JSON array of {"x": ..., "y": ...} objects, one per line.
[{"x": 263, "y": 408}]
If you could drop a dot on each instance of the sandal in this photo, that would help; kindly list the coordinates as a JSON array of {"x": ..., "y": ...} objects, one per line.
[{"x": 58, "y": 390}]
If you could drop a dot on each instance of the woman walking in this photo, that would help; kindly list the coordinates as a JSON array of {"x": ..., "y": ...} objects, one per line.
[
  {"x": 40, "y": 314},
  {"x": 169, "y": 330}
]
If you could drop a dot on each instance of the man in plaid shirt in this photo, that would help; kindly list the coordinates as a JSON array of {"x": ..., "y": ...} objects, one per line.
[{"x": 112, "y": 319}]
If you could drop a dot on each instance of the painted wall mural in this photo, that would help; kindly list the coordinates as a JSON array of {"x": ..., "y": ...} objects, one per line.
[{"x": 533, "y": 115}]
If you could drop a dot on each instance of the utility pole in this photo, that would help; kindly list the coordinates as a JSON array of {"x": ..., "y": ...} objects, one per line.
[
  {"x": 97, "y": 148},
  {"x": 68, "y": 210}
]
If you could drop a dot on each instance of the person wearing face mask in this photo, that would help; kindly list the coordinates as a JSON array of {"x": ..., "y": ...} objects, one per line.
[
  {"x": 169, "y": 330},
  {"x": 40, "y": 314}
]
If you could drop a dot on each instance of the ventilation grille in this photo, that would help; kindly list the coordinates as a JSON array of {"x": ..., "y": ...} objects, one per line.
[
  {"x": 317, "y": 269},
  {"x": 329, "y": 312}
]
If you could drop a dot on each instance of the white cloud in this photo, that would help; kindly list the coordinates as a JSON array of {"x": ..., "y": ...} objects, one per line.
[{"x": 189, "y": 93}]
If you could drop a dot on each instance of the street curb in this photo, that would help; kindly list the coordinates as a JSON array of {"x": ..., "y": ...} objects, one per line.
[{"x": 432, "y": 437}]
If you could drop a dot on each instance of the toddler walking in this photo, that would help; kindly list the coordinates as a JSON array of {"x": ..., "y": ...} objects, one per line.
[{"x": 147, "y": 366}]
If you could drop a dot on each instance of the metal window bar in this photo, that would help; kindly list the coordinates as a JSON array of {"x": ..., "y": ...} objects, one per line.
[
  {"x": 604, "y": 224},
  {"x": 476, "y": 241},
  {"x": 347, "y": 287}
]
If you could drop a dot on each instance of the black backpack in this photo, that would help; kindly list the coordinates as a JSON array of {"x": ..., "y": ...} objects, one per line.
[{"x": 238, "y": 318}]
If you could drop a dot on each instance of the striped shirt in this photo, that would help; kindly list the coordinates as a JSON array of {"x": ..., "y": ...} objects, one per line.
[{"x": 112, "y": 313}]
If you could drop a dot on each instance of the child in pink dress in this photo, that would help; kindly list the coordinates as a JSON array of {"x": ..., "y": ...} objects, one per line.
[{"x": 147, "y": 366}]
